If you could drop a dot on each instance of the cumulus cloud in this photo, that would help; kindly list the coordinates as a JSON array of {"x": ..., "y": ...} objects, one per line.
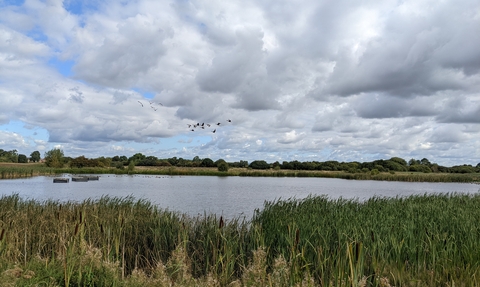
[{"x": 305, "y": 80}]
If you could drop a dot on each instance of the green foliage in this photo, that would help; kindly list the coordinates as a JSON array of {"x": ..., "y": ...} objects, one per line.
[
  {"x": 310, "y": 242},
  {"x": 399, "y": 160},
  {"x": 131, "y": 166},
  {"x": 118, "y": 165},
  {"x": 223, "y": 167},
  {"x": 463, "y": 169},
  {"x": 419, "y": 168},
  {"x": 54, "y": 158},
  {"x": 220, "y": 161},
  {"x": 8, "y": 156},
  {"x": 82, "y": 161},
  {"x": 35, "y": 156},
  {"x": 138, "y": 157},
  {"x": 207, "y": 162},
  {"x": 22, "y": 158},
  {"x": 259, "y": 164}
]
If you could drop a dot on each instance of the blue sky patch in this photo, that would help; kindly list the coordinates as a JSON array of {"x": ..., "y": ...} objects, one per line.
[{"x": 63, "y": 67}]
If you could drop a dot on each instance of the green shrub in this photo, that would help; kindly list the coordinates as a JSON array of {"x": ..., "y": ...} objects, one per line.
[{"x": 223, "y": 167}]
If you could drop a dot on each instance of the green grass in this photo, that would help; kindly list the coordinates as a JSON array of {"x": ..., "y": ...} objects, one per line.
[{"x": 427, "y": 240}]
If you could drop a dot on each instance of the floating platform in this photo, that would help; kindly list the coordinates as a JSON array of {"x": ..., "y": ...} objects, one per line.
[
  {"x": 80, "y": 178},
  {"x": 61, "y": 180},
  {"x": 93, "y": 177}
]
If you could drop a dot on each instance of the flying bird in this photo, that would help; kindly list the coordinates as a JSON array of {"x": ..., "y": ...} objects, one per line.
[
  {"x": 229, "y": 121},
  {"x": 218, "y": 124},
  {"x": 214, "y": 130},
  {"x": 140, "y": 103}
]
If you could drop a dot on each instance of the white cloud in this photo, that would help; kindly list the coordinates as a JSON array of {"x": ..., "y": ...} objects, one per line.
[{"x": 333, "y": 79}]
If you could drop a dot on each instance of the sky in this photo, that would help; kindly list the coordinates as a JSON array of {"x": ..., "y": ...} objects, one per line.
[{"x": 300, "y": 80}]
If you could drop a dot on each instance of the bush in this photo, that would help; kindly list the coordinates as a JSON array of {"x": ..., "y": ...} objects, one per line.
[
  {"x": 223, "y": 167},
  {"x": 259, "y": 164}
]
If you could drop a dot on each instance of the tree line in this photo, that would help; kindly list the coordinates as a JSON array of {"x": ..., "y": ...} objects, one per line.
[{"x": 56, "y": 158}]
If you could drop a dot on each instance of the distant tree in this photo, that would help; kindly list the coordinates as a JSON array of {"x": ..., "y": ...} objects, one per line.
[
  {"x": 394, "y": 165},
  {"x": 399, "y": 160},
  {"x": 8, "y": 156},
  {"x": 207, "y": 162},
  {"x": 196, "y": 158},
  {"x": 104, "y": 161},
  {"x": 222, "y": 166},
  {"x": 35, "y": 156},
  {"x": 54, "y": 158},
  {"x": 22, "y": 158},
  {"x": 184, "y": 162},
  {"x": 136, "y": 158},
  {"x": 148, "y": 161},
  {"x": 413, "y": 162},
  {"x": 80, "y": 162},
  {"x": 466, "y": 168},
  {"x": 425, "y": 161},
  {"x": 259, "y": 164},
  {"x": 219, "y": 162},
  {"x": 173, "y": 161},
  {"x": 243, "y": 163},
  {"x": 419, "y": 168},
  {"x": 276, "y": 165}
]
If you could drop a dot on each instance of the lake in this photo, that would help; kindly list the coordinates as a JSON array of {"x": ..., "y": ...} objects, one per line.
[{"x": 227, "y": 196}]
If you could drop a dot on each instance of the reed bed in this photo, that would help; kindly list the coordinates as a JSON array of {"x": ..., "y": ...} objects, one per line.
[
  {"x": 10, "y": 171},
  {"x": 423, "y": 240},
  {"x": 15, "y": 171}
]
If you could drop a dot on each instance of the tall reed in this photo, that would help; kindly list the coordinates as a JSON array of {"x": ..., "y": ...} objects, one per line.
[{"x": 422, "y": 240}]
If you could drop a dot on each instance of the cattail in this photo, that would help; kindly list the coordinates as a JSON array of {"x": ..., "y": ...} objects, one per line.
[
  {"x": 357, "y": 250},
  {"x": 81, "y": 217},
  {"x": 2, "y": 234},
  {"x": 220, "y": 225},
  {"x": 76, "y": 229},
  {"x": 372, "y": 236}
]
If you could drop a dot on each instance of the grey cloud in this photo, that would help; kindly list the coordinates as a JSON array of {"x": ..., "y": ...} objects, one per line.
[
  {"x": 406, "y": 58},
  {"x": 463, "y": 114},
  {"x": 447, "y": 134},
  {"x": 229, "y": 68},
  {"x": 76, "y": 95},
  {"x": 242, "y": 72},
  {"x": 382, "y": 106},
  {"x": 123, "y": 57}
]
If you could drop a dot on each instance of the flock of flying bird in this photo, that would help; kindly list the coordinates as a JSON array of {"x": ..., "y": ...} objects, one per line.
[
  {"x": 151, "y": 105},
  {"x": 192, "y": 127}
]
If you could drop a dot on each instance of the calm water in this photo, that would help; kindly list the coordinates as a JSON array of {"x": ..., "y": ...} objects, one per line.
[{"x": 227, "y": 196}]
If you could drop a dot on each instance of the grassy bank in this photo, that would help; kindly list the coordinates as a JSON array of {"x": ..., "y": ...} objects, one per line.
[
  {"x": 8, "y": 171},
  {"x": 425, "y": 240}
]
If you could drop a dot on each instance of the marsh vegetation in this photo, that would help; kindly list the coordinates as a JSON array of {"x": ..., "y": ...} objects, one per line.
[{"x": 428, "y": 240}]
